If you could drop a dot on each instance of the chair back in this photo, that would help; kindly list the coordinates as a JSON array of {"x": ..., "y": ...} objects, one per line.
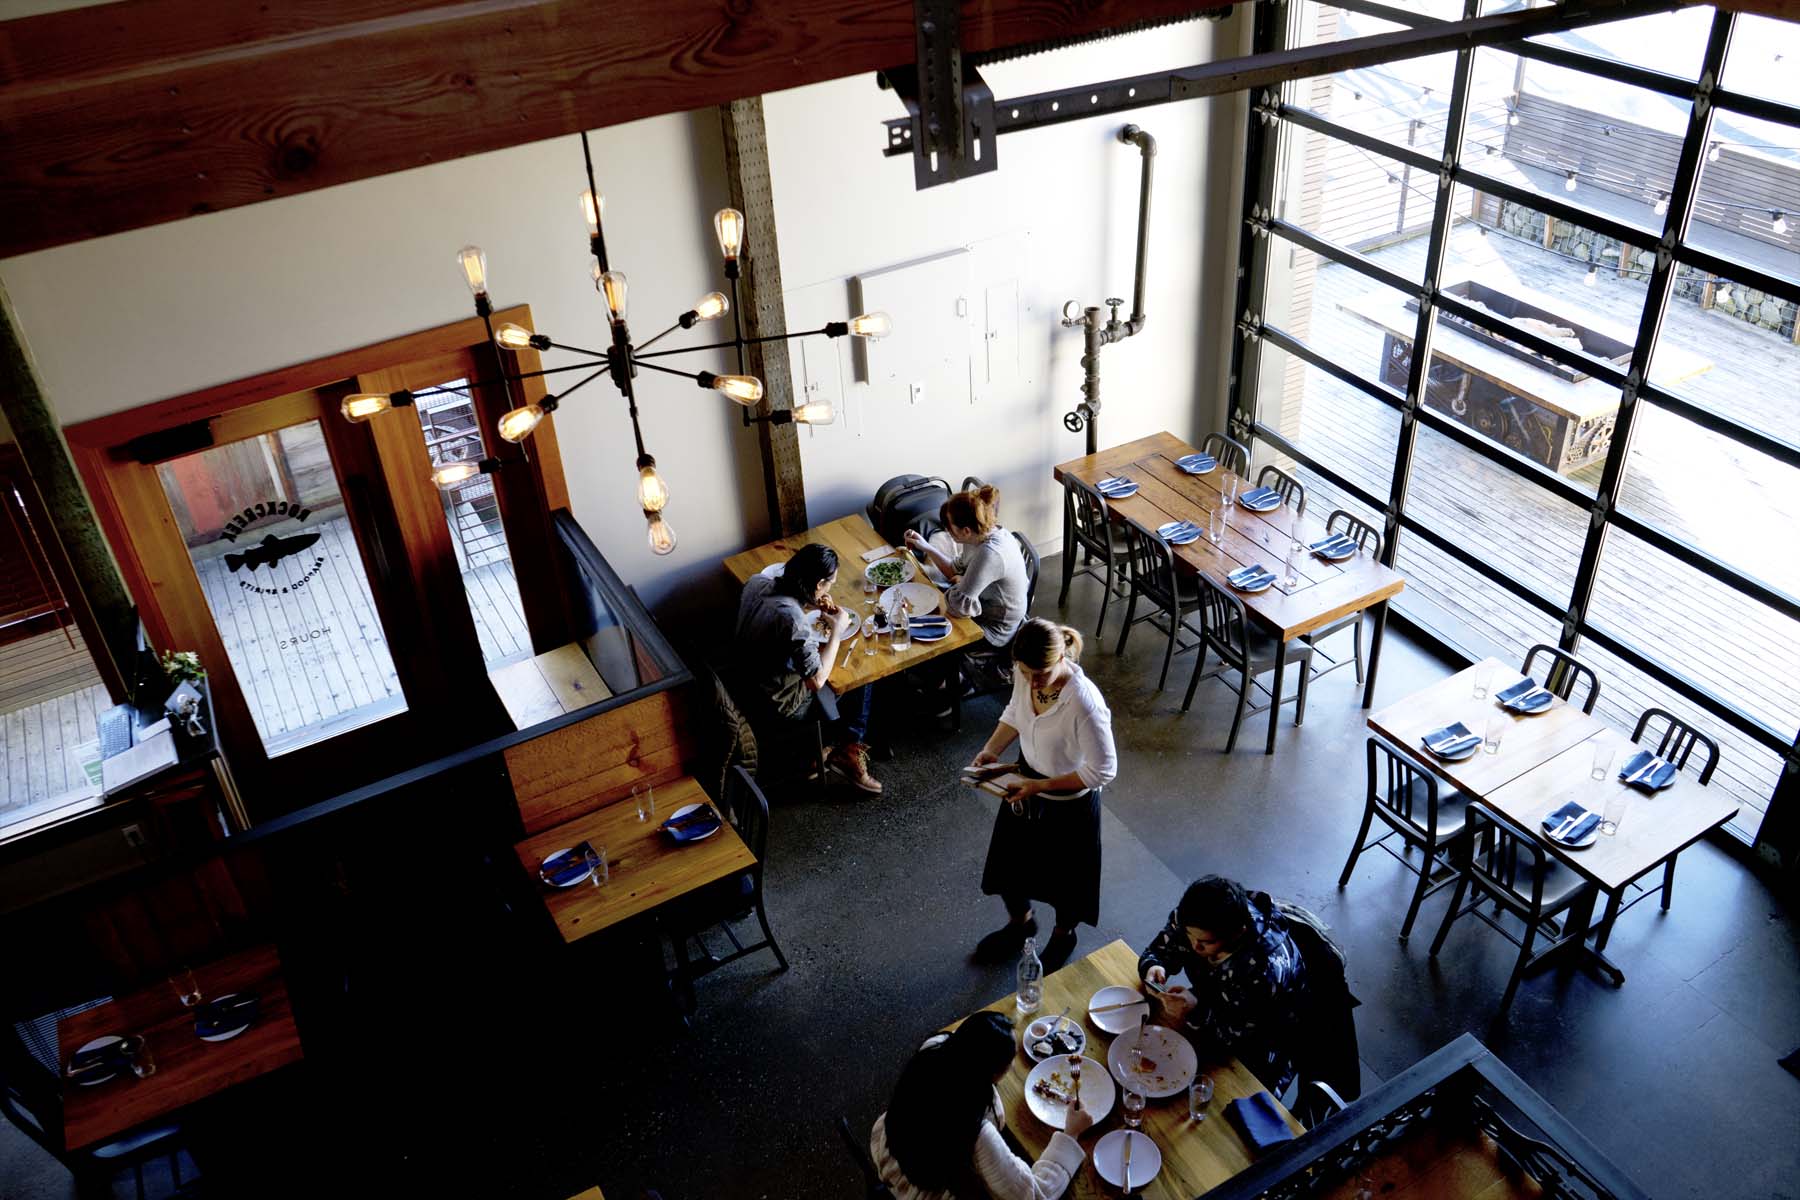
[
  {"x": 1224, "y": 626},
  {"x": 1678, "y": 741},
  {"x": 1152, "y": 564},
  {"x": 1565, "y": 672},
  {"x": 30, "y": 1096},
  {"x": 1366, "y": 536},
  {"x": 748, "y": 809},
  {"x": 1293, "y": 492},
  {"x": 1089, "y": 520},
  {"x": 1512, "y": 866},
  {"x": 1326, "y": 1052},
  {"x": 873, "y": 1187},
  {"x": 1234, "y": 456},
  {"x": 1394, "y": 783},
  {"x": 1034, "y": 565}
]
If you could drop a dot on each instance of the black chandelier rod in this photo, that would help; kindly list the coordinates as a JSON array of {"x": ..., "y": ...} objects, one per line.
[
  {"x": 740, "y": 343},
  {"x": 659, "y": 337},
  {"x": 471, "y": 385},
  {"x": 597, "y": 243},
  {"x": 669, "y": 370}
]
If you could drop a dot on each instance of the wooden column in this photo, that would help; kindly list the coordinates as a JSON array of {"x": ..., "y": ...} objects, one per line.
[
  {"x": 98, "y": 601},
  {"x": 759, "y": 302}
]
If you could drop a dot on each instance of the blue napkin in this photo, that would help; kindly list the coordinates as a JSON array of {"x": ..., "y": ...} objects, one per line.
[
  {"x": 110, "y": 1055},
  {"x": 1258, "y": 1120},
  {"x": 1338, "y": 545},
  {"x": 693, "y": 825},
  {"x": 1179, "y": 533},
  {"x": 566, "y": 866},
  {"x": 1661, "y": 777},
  {"x": 1451, "y": 739},
  {"x": 1250, "y": 577},
  {"x": 1524, "y": 696},
  {"x": 1196, "y": 464},
  {"x": 1260, "y": 498},
  {"x": 1577, "y": 832},
  {"x": 1114, "y": 487}
]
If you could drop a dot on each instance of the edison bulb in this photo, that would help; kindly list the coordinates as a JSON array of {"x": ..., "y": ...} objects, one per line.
[
  {"x": 363, "y": 405},
  {"x": 728, "y": 223},
  {"x": 872, "y": 325},
  {"x": 1780, "y": 225},
  {"x": 653, "y": 493},
  {"x": 1661, "y": 208},
  {"x": 1591, "y": 277},
  {"x": 745, "y": 389},
  {"x": 712, "y": 306},
  {"x": 613, "y": 284},
  {"x": 1569, "y": 182},
  {"x": 517, "y": 425},
  {"x": 593, "y": 207},
  {"x": 1712, "y": 152},
  {"x": 662, "y": 535},
  {"x": 451, "y": 474},
  {"x": 513, "y": 337},
  {"x": 474, "y": 268},
  {"x": 819, "y": 412}
]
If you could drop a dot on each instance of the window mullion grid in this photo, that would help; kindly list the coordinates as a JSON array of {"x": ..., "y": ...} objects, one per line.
[
  {"x": 1683, "y": 551},
  {"x": 1262, "y": 153},
  {"x": 1338, "y": 254},
  {"x": 1550, "y": 206},
  {"x": 1779, "y": 449},
  {"x": 1331, "y": 367},
  {"x": 1737, "y": 272},
  {"x": 1318, "y": 123},
  {"x": 1276, "y": 439}
]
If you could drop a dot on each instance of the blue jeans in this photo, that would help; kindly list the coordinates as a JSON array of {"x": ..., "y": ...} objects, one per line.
[{"x": 848, "y": 715}]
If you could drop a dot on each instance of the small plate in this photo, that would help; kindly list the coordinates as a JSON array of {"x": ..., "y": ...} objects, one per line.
[
  {"x": 1260, "y": 500},
  {"x": 906, "y": 568},
  {"x": 1170, "y": 1062},
  {"x": 1109, "y": 1158},
  {"x": 114, "y": 1066},
  {"x": 690, "y": 835},
  {"x": 1097, "y": 1090},
  {"x": 1525, "y": 696},
  {"x": 1120, "y": 1019},
  {"x": 1116, "y": 489},
  {"x": 1267, "y": 579},
  {"x": 1189, "y": 532},
  {"x": 559, "y": 868},
  {"x": 1560, "y": 815},
  {"x": 1197, "y": 464},
  {"x": 930, "y": 631},
  {"x": 1038, "y": 1030},
  {"x": 1456, "y": 733},
  {"x": 1334, "y": 549},
  {"x": 242, "y": 1019},
  {"x": 924, "y": 597},
  {"x": 1656, "y": 781}
]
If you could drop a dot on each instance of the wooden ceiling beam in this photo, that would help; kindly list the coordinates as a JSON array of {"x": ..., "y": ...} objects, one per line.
[{"x": 130, "y": 114}]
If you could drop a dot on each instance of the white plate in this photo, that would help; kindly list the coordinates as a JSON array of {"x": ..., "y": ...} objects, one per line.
[
  {"x": 1250, "y": 591},
  {"x": 814, "y": 632},
  {"x": 1120, "y": 1019},
  {"x": 225, "y": 1035},
  {"x": 1109, "y": 1158},
  {"x": 924, "y": 597},
  {"x": 581, "y": 878},
  {"x": 1097, "y": 1090},
  {"x": 907, "y": 569},
  {"x": 1038, "y": 1030},
  {"x": 89, "y": 1079},
  {"x": 1174, "y": 1062},
  {"x": 683, "y": 811}
]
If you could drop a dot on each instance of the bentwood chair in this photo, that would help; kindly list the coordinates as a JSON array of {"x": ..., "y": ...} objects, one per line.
[
  {"x": 1677, "y": 744},
  {"x": 1169, "y": 592},
  {"x": 1247, "y": 652},
  {"x": 1565, "y": 672},
  {"x": 1234, "y": 456},
  {"x": 1088, "y": 528},
  {"x": 1521, "y": 878},
  {"x": 1368, "y": 538},
  {"x": 1293, "y": 492},
  {"x": 1405, "y": 796}
]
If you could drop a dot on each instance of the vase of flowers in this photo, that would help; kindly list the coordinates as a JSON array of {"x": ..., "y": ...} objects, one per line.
[{"x": 181, "y": 666}]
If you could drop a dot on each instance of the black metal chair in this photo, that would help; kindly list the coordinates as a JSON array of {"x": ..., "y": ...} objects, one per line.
[
  {"x": 1170, "y": 591},
  {"x": 1234, "y": 456},
  {"x": 1405, "y": 796},
  {"x": 1246, "y": 650},
  {"x": 1367, "y": 537},
  {"x": 1034, "y": 566},
  {"x": 732, "y": 898},
  {"x": 873, "y": 1187},
  {"x": 1519, "y": 876},
  {"x": 1293, "y": 492},
  {"x": 1677, "y": 744},
  {"x": 782, "y": 739},
  {"x": 1329, "y": 1067},
  {"x": 1565, "y": 672},
  {"x": 1087, "y": 527}
]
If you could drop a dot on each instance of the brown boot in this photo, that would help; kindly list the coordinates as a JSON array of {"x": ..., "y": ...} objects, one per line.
[{"x": 852, "y": 762}]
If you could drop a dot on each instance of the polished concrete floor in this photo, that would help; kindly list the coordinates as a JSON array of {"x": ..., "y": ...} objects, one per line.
[{"x": 535, "y": 1071}]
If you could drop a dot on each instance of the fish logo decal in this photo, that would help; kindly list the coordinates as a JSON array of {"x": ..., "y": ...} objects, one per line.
[{"x": 271, "y": 551}]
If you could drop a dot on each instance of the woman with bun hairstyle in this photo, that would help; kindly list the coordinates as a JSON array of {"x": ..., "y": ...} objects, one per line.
[
  {"x": 988, "y": 580},
  {"x": 1046, "y": 843}
]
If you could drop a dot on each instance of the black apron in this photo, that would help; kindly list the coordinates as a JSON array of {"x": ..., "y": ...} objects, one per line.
[{"x": 1049, "y": 853}]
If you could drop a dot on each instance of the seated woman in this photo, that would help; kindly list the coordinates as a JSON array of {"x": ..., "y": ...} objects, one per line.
[
  {"x": 780, "y": 655},
  {"x": 941, "y": 1139},
  {"x": 988, "y": 580},
  {"x": 1248, "y": 979}
]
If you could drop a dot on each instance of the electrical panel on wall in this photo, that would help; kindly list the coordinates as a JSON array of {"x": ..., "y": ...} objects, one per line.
[{"x": 927, "y": 363}]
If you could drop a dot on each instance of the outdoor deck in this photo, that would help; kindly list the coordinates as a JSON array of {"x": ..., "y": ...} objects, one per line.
[
  {"x": 1722, "y": 497},
  {"x": 41, "y": 747}
]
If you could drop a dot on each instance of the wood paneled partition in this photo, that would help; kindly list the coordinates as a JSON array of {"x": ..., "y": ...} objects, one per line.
[{"x": 590, "y": 764}]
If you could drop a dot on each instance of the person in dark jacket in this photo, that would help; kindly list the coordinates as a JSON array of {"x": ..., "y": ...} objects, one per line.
[{"x": 1247, "y": 980}]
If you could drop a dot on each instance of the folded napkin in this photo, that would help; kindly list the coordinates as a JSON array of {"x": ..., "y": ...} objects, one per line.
[
  {"x": 233, "y": 1011},
  {"x": 1257, "y": 1118},
  {"x": 1584, "y": 823},
  {"x": 111, "y": 1055},
  {"x": 1115, "y": 486},
  {"x": 565, "y": 866},
  {"x": 1451, "y": 739},
  {"x": 1647, "y": 771},
  {"x": 1525, "y": 694},
  {"x": 1250, "y": 577},
  {"x": 1336, "y": 544},
  {"x": 1261, "y": 497},
  {"x": 1196, "y": 464}
]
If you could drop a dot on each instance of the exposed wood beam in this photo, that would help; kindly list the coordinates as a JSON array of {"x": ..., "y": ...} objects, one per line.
[{"x": 130, "y": 114}]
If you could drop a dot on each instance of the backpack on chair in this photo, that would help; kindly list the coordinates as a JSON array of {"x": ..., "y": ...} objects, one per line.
[
  {"x": 908, "y": 502},
  {"x": 1327, "y": 1051}
]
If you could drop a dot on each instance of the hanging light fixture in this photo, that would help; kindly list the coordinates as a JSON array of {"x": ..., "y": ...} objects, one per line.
[
  {"x": 1778, "y": 223},
  {"x": 1569, "y": 182},
  {"x": 1662, "y": 204},
  {"x": 623, "y": 358}
]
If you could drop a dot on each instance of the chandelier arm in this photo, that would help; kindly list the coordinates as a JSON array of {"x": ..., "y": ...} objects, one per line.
[
  {"x": 597, "y": 243},
  {"x": 737, "y": 329},
  {"x": 603, "y": 355},
  {"x": 475, "y": 383},
  {"x": 740, "y": 343},
  {"x": 659, "y": 337},
  {"x": 693, "y": 375}
]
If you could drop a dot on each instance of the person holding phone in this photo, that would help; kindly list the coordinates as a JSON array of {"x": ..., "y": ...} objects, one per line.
[{"x": 987, "y": 576}]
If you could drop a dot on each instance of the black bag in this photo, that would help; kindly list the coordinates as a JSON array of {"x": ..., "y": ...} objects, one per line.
[{"x": 908, "y": 502}]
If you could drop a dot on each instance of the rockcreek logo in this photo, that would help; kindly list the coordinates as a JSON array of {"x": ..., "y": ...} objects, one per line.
[{"x": 272, "y": 550}]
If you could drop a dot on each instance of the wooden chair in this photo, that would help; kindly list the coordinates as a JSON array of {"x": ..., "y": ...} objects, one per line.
[
  {"x": 1226, "y": 629},
  {"x": 1677, "y": 744},
  {"x": 1367, "y": 537},
  {"x": 873, "y": 1187},
  {"x": 1087, "y": 526},
  {"x": 1405, "y": 796},
  {"x": 1293, "y": 492},
  {"x": 1565, "y": 672},
  {"x": 1234, "y": 456},
  {"x": 1519, "y": 876},
  {"x": 1170, "y": 591}
]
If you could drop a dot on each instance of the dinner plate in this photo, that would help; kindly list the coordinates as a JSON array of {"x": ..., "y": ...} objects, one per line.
[
  {"x": 1116, "y": 489},
  {"x": 1178, "y": 533},
  {"x": 1120, "y": 1019},
  {"x": 1260, "y": 500},
  {"x": 1169, "y": 1062},
  {"x": 564, "y": 868},
  {"x": 242, "y": 1019},
  {"x": 816, "y": 626},
  {"x": 1261, "y": 583},
  {"x": 1335, "y": 549},
  {"x": 1656, "y": 780},
  {"x": 1525, "y": 696},
  {"x": 1197, "y": 464},
  {"x": 1588, "y": 836},
  {"x": 905, "y": 565},
  {"x": 693, "y": 834},
  {"x": 924, "y": 597},
  {"x": 1452, "y": 735},
  {"x": 1038, "y": 1030},
  {"x": 1109, "y": 1158},
  {"x": 1097, "y": 1090},
  {"x": 113, "y": 1064}
]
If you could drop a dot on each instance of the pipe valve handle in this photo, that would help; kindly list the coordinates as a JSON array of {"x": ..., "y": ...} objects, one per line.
[{"x": 1074, "y": 422}]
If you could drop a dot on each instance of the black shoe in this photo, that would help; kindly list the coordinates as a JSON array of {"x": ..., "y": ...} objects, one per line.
[
  {"x": 1005, "y": 943},
  {"x": 1058, "y": 949}
]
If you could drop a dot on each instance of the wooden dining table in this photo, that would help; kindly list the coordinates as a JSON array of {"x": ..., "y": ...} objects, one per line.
[
  {"x": 851, "y": 536},
  {"x": 187, "y": 1068},
  {"x": 1196, "y": 1156},
  {"x": 1324, "y": 591},
  {"x": 1545, "y": 760}
]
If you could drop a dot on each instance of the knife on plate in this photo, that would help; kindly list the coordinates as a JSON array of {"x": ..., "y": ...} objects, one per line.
[{"x": 1128, "y": 1162}]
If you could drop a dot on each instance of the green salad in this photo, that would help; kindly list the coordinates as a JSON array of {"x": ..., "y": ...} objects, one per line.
[{"x": 887, "y": 572}]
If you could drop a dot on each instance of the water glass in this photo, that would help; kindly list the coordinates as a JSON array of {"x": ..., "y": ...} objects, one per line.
[
  {"x": 1200, "y": 1094},
  {"x": 868, "y": 589},
  {"x": 596, "y": 861},
  {"x": 1290, "y": 576},
  {"x": 902, "y": 636},
  {"x": 137, "y": 1050},
  {"x": 1229, "y": 495},
  {"x": 644, "y": 796},
  {"x": 1495, "y": 727},
  {"x": 1603, "y": 761},
  {"x": 868, "y": 636},
  {"x": 1614, "y": 812},
  {"x": 186, "y": 989},
  {"x": 1133, "y": 1105},
  {"x": 1484, "y": 678},
  {"x": 1215, "y": 525}
]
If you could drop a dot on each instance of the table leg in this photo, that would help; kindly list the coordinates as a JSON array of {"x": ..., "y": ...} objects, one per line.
[
  {"x": 1575, "y": 951},
  {"x": 1381, "y": 616},
  {"x": 1275, "y": 691}
]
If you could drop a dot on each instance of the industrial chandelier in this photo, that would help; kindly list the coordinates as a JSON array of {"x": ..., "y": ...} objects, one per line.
[{"x": 620, "y": 361}]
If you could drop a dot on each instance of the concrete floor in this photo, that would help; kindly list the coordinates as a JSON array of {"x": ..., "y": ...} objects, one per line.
[{"x": 550, "y": 1070}]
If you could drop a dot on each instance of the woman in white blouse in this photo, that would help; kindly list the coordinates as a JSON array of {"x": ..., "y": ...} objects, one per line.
[
  {"x": 1046, "y": 843},
  {"x": 941, "y": 1139}
]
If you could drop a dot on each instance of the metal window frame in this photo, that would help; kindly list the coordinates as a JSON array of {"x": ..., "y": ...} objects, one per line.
[{"x": 1263, "y": 156}]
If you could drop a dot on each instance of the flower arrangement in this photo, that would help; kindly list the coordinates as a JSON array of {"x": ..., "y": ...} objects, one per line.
[{"x": 181, "y": 666}]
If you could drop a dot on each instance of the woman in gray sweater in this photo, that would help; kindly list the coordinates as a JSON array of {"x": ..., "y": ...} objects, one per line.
[{"x": 988, "y": 582}]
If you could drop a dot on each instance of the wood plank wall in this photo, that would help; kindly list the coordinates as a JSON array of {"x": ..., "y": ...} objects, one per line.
[{"x": 593, "y": 763}]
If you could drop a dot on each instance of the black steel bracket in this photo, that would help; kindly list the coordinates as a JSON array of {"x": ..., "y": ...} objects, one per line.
[{"x": 949, "y": 126}]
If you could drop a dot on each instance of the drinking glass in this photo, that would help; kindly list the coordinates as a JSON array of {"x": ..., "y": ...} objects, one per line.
[
  {"x": 1289, "y": 575},
  {"x": 1603, "y": 760},
  {"x": 1200, "y": 1094},
  {"x": 644, "y": 796},
  {"x": 1614, "y": 812},
  {"x": 868, "y": 635},
  {"x": 1484, "y": 678},
  {"x": 1215, "y": 525},
  {"x": 1133, "y": 1105},
  {"x": 868, "y": 589},
  {"x": 1495, "y": 727},
  {"x": 1229, "y": 495},
  {"x": 596, "y": 861},
  {"x": 143, "y": 1063},
  {"x": 902, "y": 636},
  {"x": 186, "y": 989}
]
